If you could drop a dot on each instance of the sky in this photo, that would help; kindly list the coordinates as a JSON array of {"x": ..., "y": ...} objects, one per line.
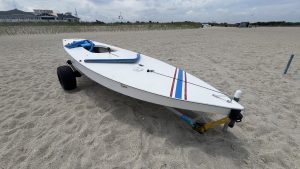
[{"x": 231, "y": 11}]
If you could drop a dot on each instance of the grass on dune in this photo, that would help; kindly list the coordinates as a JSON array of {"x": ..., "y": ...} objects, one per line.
[{"x": 52, "y": 28}]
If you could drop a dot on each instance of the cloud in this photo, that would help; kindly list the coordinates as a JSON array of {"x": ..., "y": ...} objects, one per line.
[{"x": 168, "y": 10}]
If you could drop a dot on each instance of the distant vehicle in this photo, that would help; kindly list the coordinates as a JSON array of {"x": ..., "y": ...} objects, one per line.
[{"x": 244, "y": 25}]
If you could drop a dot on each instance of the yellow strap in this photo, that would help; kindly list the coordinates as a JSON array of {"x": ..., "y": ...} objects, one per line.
[{"x": 203, "y": 128}]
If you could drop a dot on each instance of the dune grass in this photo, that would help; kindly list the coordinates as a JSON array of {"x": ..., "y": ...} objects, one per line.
[{"x": 53, "y": 28}]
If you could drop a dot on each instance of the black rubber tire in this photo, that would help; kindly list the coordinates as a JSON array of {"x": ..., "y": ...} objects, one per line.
[{"x": 66, "y": 77}]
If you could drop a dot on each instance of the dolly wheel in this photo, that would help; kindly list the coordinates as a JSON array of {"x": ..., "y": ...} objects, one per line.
[{"x": 66, "y": 77}]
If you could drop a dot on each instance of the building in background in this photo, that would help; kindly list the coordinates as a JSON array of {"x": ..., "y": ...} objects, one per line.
[
  {"x": 38, "y": 15},
  {"x": 16, "y": 15},
  {"x": 46, "y": 15},
  {"x": 68, "y": 17}
]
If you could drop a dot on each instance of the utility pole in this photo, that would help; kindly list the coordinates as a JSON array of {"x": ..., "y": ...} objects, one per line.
[
  {"x": 76, "y": 13},
  {"x": 120, "y": 17},
  {"x": 14, "y": 4}
]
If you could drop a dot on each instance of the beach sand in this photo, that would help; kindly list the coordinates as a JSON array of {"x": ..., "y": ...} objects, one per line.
[{"x": 42, "y": 126}]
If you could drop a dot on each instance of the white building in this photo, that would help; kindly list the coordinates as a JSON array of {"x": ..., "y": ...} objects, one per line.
[{"x": 38, "y": 15}]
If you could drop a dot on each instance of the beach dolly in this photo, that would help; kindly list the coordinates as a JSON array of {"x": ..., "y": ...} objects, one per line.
[{"x": 228, "y": 121}]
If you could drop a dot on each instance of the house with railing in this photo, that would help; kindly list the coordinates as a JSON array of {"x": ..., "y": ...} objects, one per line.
[{"x": 38, "y": 15}]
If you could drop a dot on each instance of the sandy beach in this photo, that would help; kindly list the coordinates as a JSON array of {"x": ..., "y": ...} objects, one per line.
[{"x": 42, "y": 126}]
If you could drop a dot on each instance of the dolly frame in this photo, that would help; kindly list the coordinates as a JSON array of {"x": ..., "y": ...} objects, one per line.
[{"x": 228, "y": 121}]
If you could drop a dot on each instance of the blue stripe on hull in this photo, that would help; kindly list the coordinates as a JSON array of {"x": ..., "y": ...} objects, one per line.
[{"x": 178, "y": 93}]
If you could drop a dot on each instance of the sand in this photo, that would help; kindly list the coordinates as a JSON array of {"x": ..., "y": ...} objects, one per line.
[{"x": 42, "y": 126}]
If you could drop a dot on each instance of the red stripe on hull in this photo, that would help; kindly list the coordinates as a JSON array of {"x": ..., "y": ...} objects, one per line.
[{"x": 172, "y": 87}]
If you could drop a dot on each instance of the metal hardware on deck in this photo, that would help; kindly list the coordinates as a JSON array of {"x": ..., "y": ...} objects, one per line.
[
  {"x": 222, "y": 97},
  {"x": 123, "y": 85}
]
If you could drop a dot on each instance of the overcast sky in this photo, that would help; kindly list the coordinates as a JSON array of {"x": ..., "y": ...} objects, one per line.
[{"x": 168, "y": 10}]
